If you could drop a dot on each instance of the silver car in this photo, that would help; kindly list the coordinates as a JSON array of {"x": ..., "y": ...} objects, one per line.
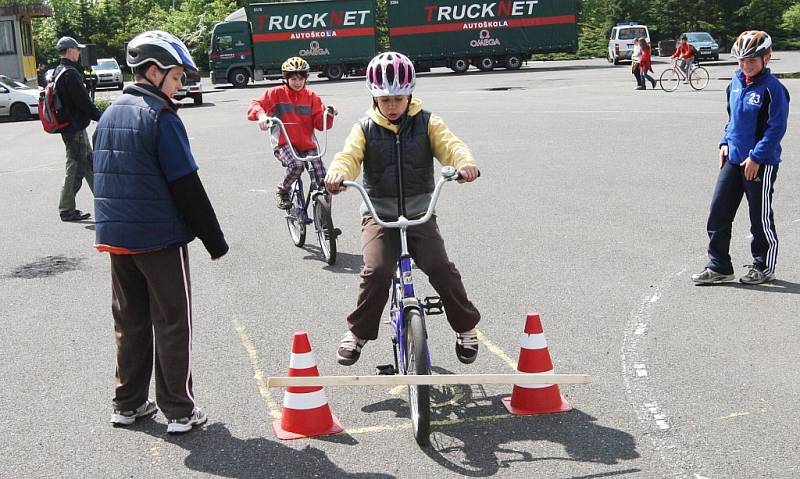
[
  {"x": 707, "y": 48},
  {"x": 108, "y": 73}
]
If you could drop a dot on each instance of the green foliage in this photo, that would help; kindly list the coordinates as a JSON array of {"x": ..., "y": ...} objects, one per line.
[
  {"x": 111, "y": 23},
  {"x": 102, "y": 103}
]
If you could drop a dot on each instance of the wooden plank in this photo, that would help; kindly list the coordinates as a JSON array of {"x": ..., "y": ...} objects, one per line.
[{"x": 434, "y": 379}]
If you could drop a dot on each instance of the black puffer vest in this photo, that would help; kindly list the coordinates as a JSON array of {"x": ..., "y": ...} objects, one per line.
[{"x": 383, "y": 147}]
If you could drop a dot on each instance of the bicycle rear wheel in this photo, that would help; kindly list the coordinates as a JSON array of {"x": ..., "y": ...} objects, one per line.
[
  {"x": 699, "y": 78},
  {"x": 669, "y": 79},
  {"x": 419, "y": 397},
  {"x": 323, "y": 223},
  {"x": 294, "y": 218}
]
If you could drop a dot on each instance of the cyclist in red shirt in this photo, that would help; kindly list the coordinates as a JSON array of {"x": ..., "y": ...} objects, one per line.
[{"x": 685, "y": 54}]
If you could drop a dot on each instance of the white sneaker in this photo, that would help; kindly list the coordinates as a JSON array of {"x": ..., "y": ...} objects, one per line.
[
  {"x": 185, "y": 424},
  {"x": 126, "y": 418}
]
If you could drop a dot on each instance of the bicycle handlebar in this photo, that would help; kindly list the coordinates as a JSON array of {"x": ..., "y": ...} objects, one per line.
[
  {"x": 448, "y": 174},
  {"x": 274, "y": 120}
]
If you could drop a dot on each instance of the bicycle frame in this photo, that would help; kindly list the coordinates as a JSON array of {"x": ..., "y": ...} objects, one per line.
[{"x": 403, "y": 296}]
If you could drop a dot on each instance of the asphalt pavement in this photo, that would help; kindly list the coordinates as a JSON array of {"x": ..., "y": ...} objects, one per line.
[{"x": 590, "y": 210}]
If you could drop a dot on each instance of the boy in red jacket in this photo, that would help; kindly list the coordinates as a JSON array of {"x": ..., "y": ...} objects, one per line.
[
  {"x": 684, "y": 53},
  {"x": 301, "y": 111}
]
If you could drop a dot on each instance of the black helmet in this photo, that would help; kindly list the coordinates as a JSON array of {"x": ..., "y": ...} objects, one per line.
[{"x": 162, "y": 48}]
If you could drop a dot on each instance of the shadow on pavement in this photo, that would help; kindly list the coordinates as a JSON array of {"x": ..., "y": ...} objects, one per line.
[
  {"x": 213, "y": 450},
  {"x": 345, "y": 262},
  {"x": 775, "y": 286},
  {"x": 473, "y": 435}
]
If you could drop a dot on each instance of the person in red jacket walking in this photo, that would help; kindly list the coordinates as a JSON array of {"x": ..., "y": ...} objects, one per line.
[
  {"x": 684, "y": 53},
  {"x": 301, "y": 111},
  {"x": 645, "y": 65}
]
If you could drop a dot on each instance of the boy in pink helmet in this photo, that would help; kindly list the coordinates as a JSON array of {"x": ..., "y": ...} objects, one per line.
[{"x": 398, "y": 136}]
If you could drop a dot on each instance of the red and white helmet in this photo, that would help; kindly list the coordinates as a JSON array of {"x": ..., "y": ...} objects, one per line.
[
  {"x": 751, "y": 44},
  {"x": 390, "y": 74}
]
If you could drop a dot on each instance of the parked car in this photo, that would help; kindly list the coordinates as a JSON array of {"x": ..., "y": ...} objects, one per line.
[
  {"x": 18, "y": 100},
  {"x": 620, "y": 43},
  {"x": 704, "y": 43},
  {"x": 192, "y": 88},
  {"x": 108, "y": 73}
]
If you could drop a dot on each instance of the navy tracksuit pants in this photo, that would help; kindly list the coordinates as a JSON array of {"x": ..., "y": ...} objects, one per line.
[{"x": 731, "y": 186}]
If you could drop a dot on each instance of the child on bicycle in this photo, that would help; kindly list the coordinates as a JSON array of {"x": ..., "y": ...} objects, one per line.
[
  {"x": 749, "y": 155},
  {"x": 397, "y": 135},
  {"x": 301, "y": 111},
  {"x": 685, "y": 55}
]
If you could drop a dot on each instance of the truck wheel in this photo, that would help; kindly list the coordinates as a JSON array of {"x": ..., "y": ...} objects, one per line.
[
  {"x": 239, "y": 77},
  {"x": 198, "y": 99},
  {"x": 459, "y": 65},
  {"x": 334, "y": 72},
  {"x": 514, "y": 62},
  {"x": 486, "y": 64},
  {"x": 20, "y": 112}
]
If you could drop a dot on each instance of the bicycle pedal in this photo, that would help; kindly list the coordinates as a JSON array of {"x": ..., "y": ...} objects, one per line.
[
  {"x": 433, "y": 305},
  {"x": 385, "y": 370}
]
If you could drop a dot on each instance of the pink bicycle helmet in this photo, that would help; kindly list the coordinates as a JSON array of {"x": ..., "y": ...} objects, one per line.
[{"x": 390, "y": 74}]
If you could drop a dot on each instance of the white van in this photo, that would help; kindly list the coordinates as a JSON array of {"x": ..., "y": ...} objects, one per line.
[{"x": 620, "y": 44}]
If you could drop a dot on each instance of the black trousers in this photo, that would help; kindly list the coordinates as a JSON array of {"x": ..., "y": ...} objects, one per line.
[{"x": 731, "y": 186}]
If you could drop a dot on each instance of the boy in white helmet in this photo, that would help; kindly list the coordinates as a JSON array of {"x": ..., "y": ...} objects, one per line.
[
  {"x": 749, "y": 155},
  {"x": 150, "y": 203},
  {"x": 398, "y": 134}
]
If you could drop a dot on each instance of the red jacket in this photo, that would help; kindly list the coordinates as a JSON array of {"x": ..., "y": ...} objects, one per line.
[
  {"x": 684, "y": 52},
  {"x": 646, "y": 63},
  {"x": 300, "y": 111}
]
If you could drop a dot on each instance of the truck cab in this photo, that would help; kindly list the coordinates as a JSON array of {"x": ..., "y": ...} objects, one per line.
[
  {"x": 620, "y": 43},
  {"x": 230, "y": 55}
]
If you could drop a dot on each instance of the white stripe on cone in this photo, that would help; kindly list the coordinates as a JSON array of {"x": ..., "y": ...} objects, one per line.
[
  {"x": 302, "y": 360},
  {"x": 532, "y": 341},
  {"x": 302, "y": 401},
  {"x": 535, "y": 386}
]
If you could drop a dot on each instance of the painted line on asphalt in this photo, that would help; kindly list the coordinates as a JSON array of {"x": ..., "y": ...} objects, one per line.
[
  {"x": 639, "y": 384},
  {"x": 258, "y": 374},
  {"x": 496, "y": 350}
]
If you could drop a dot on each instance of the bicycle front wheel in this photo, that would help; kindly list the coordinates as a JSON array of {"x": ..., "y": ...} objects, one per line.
[
  {"x": 419, "y": 397},
  {"x": 294, "y": 218},
  {"x": 670, "y": 79},
  {"x": 326, "y": 234},
  {"x": 699, "y": 78}
]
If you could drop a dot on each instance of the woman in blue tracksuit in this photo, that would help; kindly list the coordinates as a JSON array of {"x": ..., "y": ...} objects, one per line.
[{"x": 749, "y": 155}]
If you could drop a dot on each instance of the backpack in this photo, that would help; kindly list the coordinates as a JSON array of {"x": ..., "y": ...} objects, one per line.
[
  {"x": 51, "y": 109},
  {"x": 695, "y": 54}
]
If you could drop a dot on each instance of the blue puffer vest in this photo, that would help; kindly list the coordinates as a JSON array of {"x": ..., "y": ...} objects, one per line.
[
  {"x": 383, "y": 148},
  {"x": 133, "y": 206}
]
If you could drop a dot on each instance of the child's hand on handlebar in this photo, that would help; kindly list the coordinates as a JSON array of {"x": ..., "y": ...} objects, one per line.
[
  {"x": 333, "y": 182},
  {"x": 468, "y": 173},
  {"x": 331, "y": 110},
  {"x": 263, "y": 122}
]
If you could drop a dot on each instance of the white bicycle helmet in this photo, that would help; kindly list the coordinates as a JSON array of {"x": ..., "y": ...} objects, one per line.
[
  {"x": 751, "y": 44},
  {"x": 162, "y": 48},
  {"x": 390, "y": 74}
]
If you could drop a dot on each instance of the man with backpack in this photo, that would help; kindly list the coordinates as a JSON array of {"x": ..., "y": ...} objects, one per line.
[{"x": 78, "y": 111}]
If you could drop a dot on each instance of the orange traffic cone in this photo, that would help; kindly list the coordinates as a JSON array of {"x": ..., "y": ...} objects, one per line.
[
  {"x": 534, "y": 358},
  {"x": 305, "y": 408}
]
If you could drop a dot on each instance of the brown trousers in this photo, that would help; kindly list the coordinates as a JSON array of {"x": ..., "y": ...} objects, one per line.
[
  {"x": 151, "y": 299},
  {"x": 380, "y": 249}
]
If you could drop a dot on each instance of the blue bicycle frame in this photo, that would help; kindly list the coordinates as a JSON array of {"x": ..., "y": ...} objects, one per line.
[{"x": 403, "y": 296}]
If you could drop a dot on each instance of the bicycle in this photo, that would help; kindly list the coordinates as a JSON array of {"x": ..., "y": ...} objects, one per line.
[
  {"x": 297, "y": 217},
  {"x": 672, "y": 77},
  {"x": 407, "y": 314}
]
